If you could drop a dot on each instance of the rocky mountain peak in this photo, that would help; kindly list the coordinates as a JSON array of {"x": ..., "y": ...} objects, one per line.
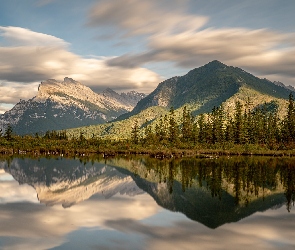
[
  {"x": 133, "y": 97},
  {"x": 70, "y": 80},
  {"x": 205, "y": 87},
  {"x": 65, "y": 104},
  {"x": 110, "y": 92}
]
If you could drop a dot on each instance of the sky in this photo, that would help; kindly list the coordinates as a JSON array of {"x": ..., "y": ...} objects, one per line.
[{"x": 136, "y": 44}]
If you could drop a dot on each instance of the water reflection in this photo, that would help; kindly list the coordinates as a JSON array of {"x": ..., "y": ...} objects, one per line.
[
  {"x": 120, "y": 197},
  {"x": 215, "y": 191},
  {"x": 70, "y": 181}
]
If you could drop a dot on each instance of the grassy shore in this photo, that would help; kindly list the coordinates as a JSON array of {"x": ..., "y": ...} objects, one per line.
[{"x": 41, "y": 146}]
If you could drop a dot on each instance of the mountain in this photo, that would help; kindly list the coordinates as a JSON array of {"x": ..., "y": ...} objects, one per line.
[
  {"x": 199, "y": 90},
  {"x": 205, "y": 87},
  {"x": 119, "y": 129},
  {"x": 67, "y": 104},
  {"x": 283, "y": 85},
  {"x": 133, "y": 97}
]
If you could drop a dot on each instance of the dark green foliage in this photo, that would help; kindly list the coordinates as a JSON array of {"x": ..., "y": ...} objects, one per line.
[
  {"x": 290, "y": 120},
  {"x": 206, "y": 86},
  {"x": 173, "y": 129},
  {"x": 238, "y": 124},
  {"x": 8, "y": 132},
  {"x": 187, "y": 128},
  {"x": 54, "y": 135},
  {"x": 260, "y": 126},
  {"x": 135, "y": 133}
]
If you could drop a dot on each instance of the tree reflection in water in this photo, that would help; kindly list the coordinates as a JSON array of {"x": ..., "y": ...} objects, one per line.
[
  {"x": 246, "y": 178},
  {"x": 210, "y": 191}
]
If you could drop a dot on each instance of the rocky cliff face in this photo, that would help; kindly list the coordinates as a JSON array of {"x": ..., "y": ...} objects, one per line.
[{"x": 63, "y": 105}]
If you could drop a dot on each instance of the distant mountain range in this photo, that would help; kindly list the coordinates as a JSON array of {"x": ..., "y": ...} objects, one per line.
[
  {"x": 67, "y": 104},
  {"x": 199, "y": 90},
  {"x": 70, "y": 104}
]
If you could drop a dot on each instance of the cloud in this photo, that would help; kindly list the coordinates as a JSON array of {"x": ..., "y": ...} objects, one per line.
[
  {"x": 271, "y": 231},
  {"x": 5, "y": 107},
  {"x": 12, "y": 92},
  {"x": 16, "y": 36},
  {"x": 179, "y": 37},
  {"x": 50, "y": 226},
  {"x": 137, "y": 17},
  {"x": 12, "y": 192},
  {"x": 32, "y": 57}
]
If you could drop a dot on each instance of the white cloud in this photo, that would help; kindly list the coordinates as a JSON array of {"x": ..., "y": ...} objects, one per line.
[
  {"x": 50, "y": 226},
  {"x": 12, "y": 92},
  {"x": 138, "y": 17},
  {"x": 5, "y": 107},
  {"x": 179, "y": 37},
  {"x": 11, "y": 191},
  {"x": 32, "y": 57},
  {"x": 17, "y": 36}
]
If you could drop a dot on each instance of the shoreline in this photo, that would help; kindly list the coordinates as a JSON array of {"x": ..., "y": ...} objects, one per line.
[{"x": 160, "y": 154}]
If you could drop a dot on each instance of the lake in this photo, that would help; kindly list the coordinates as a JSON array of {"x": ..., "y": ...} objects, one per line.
[{"x": 146, "y": 203}]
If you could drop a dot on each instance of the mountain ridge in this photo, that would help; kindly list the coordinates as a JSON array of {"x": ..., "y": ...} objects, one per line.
[
  {"x": 66, "y": 104},
  {"x": 70, "y": 104},
  {"x": 205, "y": 87}
]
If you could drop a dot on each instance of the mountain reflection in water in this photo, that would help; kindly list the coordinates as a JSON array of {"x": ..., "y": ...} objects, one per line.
[{"x": 213, "y": 192}]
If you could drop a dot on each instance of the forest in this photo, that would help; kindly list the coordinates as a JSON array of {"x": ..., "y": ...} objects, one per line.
[
  {"x": 245, "y": 131},
  {"x": 260, "y": 126}
]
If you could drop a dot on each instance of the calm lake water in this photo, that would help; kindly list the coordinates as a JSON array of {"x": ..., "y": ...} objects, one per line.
[{"x": 145, "y": 203}]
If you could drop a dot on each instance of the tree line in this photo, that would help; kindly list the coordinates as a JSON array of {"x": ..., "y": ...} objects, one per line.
[
  {"x": 218, "y": 130},
  {"x": 260, "y": 125}
]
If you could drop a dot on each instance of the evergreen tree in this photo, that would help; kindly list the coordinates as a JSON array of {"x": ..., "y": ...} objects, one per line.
[
  {"x": 8, "y": 132},
  {"x": 290, "y": 120},
  {"x": 187, "y": 125},
  {"x": 148, "y": 134},
  {"x": 173, "y": 127},
  {"x": 217, "y": 123},
  {"x": 229, "y": 130},
  {"x": 135, "y": 132},
  {"x": 238, "y": 123},
  {"x": 202, "y": 128}
]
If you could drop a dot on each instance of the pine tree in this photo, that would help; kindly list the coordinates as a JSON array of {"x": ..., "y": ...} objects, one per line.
[
  {"x": 202, "y": 128},
  {"x": 187, "y": 125},
  {"x": 290, "y": 119},
  {"x": 173, "y": 127},
  {"x": 8, "y": 132},
  {"x": 135, "y": 132},
  {"x": 238, "y": 123},
  {"x": 148, "y": 134},
  {"x": 217, "y": 122},
  {"x": 161, "y": 129},
  {"x": 229, "y": 130}
]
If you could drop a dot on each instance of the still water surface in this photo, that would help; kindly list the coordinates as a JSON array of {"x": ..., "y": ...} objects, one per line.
[{"x": 144, "y": 203}]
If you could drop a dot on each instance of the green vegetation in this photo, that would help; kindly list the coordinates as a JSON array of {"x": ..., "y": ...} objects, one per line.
[
  {"x": 246, "y": 131},
  {"x": 208, "y": 86},
  {"x": 121, "y": 129}
]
